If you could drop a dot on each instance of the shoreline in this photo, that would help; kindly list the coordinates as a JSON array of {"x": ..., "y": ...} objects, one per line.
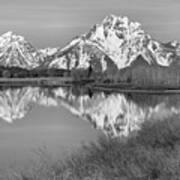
[
  {"x": 68, "y": 81},
  {"x": 145, "y": 91}
]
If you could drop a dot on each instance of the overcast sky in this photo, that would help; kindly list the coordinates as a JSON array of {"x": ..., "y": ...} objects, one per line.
[{"x": 55, "y": 22}]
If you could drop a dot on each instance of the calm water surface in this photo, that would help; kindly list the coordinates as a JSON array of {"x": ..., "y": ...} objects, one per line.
[{"x": 61, "y": 119}]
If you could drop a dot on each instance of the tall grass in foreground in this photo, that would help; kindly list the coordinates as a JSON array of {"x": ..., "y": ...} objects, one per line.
[{"x": 153, "y": 154}]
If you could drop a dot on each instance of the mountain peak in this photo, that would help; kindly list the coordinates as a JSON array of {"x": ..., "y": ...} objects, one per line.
[
  {"x": 119, "y": 39},
  {"x": 17, "y": 52},
  {"x": 11, "y": 36},
  {"x": 119, "y": 23},
  {"x": 113, "y": 19},
  {"x": 7, "y": 34},
  {"x": 116, "y": 38}
]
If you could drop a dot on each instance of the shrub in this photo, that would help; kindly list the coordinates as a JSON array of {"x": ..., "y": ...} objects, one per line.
[{"x": 154, "y": 153}]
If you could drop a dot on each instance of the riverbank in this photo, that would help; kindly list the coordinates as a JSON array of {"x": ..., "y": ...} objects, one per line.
[
  {"x": 86, "y": 83},
  {"x": 129, "y": 88},
  {"x": 132, "y": 90},
  {"x": 43, "y": 81}
]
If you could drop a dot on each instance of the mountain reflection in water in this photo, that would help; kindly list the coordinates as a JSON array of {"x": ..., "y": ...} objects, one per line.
[{"x": 115, "y": 114}]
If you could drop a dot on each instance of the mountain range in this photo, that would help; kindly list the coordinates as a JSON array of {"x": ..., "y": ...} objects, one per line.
[
  {"x": 116, "y": 41},
  {"x": 115, "y": 114}
]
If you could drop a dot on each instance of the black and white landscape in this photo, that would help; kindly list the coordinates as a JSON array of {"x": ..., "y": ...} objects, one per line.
[
  {"x": 115, "y": 51},
  {"x": 89, "y": 90}
]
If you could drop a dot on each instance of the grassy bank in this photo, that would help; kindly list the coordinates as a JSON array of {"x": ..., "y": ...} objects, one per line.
[
  {"x": 127, "y": 87},
  {"x": 121, "y": 89},
  {"x": 87, "y": 83},
  {"x": 43, "y": 81},
  {"x": 154, "y": 153}
]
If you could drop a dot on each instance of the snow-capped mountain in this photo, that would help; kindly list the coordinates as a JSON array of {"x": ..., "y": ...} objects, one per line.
[
  {"x": 117, "y": 38},
  {"x": 16, "y": 51},
  {"x": 115, "y": 114},
  {"x": 116, "y": 41},
  {"x": 48, "y": 51}
]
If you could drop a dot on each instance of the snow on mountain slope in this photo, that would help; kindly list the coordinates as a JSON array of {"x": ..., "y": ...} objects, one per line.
[
  {"x": 78, "y": 54},
  {"x": 47, "y": 52},
  {"x": 119, "y": 39},
  {"x": 16, "y": 51},
  {"x": 116, "y": 39}
]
